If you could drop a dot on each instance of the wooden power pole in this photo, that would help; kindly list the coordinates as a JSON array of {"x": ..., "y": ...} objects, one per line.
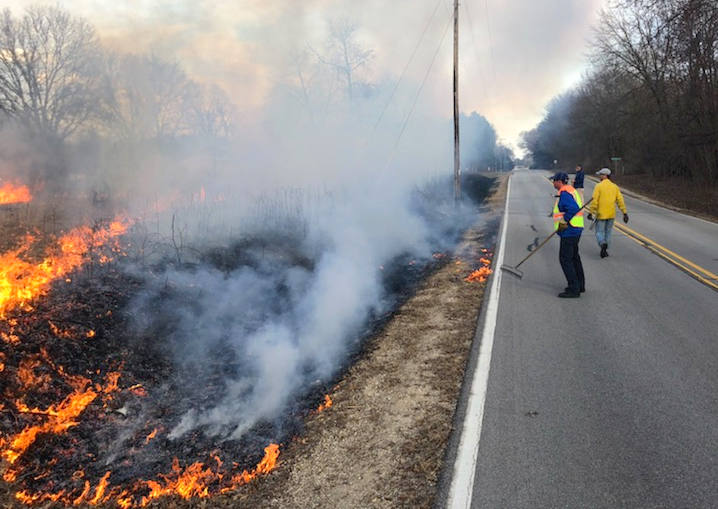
[{"x": 457, "y": 165}]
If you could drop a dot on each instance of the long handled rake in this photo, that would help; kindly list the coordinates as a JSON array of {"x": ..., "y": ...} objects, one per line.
[{"x": 515, "y": 269}]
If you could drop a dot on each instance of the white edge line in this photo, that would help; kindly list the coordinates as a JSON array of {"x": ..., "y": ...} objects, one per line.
[{"x": 462, "y": 483}]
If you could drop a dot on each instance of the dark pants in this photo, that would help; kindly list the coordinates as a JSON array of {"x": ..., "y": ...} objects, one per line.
[{"x": 571, "y": 263}]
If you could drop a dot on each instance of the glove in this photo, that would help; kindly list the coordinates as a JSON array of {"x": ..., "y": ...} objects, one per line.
[
  {"x": 562, "y": 225},
  {"x": 590, "y": 216},
  {"x": 625, "y": 218}
]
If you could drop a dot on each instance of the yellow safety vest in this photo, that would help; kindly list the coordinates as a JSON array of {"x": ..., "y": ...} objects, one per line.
[{"x": 576, "y": 220}]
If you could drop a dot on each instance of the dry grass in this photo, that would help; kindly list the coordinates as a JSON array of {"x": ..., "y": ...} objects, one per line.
[{"x": 678, "y": 193}]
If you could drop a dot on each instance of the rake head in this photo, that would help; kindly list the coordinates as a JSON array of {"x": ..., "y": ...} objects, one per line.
[{"x": 512, "y": 270}]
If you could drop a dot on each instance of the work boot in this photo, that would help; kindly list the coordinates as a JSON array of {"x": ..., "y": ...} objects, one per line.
[
  {"x": 569, "y": 295},
  {"x": 568, "y": 289},
  {"x": 604, "y": 250}
]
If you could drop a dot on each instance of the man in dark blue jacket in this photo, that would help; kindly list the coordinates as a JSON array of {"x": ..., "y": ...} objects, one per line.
[
  {"x": 568, "y": 220},
  {"x": 578, "y": 180}
]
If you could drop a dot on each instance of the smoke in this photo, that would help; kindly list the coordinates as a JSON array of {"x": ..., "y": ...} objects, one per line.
[
  {"x": 281, "y": 267},
  {"x": 266, "y": 224},
  {"x": 289, "y": 310}
]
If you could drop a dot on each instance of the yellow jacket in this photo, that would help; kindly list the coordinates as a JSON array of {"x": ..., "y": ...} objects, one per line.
[{"x": 605, "y": 197}]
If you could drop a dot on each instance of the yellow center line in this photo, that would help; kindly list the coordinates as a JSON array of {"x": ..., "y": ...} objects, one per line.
[
  {"x": 703, "y": 275},
  {"x": 665, "y": 249}
]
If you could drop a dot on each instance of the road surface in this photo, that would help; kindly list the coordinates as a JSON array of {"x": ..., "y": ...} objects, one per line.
[{"x": 610, "y": 400}]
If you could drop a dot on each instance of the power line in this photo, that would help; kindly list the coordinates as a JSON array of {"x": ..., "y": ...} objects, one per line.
[
  {"x": 418, "y": 93},
  {"x": 482, "y": 77},
  {"x": 491, "y": 43},
  {"x": 406, "y": 67}
]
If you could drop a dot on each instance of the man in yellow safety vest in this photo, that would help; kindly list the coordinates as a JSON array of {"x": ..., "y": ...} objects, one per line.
[{"x": 568, "y": 220}]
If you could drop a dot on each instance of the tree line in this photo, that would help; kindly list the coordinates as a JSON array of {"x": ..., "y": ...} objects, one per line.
[
  {"x": 55, "y": 80},
  {"x": 650, "y": 97}
]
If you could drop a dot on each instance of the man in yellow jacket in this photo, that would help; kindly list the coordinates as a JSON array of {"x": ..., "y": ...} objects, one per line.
[{"x": 606, "y": 196}]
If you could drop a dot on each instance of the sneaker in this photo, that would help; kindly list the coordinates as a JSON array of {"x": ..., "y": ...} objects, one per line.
[
  {"x": 604, "y": 250},
  {"x": 569, "y": 295}
]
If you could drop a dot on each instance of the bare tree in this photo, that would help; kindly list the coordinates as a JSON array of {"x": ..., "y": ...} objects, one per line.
[
  {"x": 151, "y": 97},
  {"x": 301, "y": 78},
  {"x": 651, "y": 97},
  {"x": 211, "y": 112},
  {"x": 635, "y": 36},
  {"x": 49, "y": 71},
  {"x": 344, "y": 52}
]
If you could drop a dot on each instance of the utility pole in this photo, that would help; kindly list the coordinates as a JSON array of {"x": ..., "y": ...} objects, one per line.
[{"x": 457, "y": 165}]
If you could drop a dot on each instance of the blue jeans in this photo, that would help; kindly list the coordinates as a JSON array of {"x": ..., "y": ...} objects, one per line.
[{"x": 603, "y": 231}]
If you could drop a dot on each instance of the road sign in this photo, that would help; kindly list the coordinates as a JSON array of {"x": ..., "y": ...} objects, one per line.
[{"x": 615, "y": 159}]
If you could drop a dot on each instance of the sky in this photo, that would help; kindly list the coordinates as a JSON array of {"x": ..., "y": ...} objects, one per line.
[{"x": 515, "y": 55}]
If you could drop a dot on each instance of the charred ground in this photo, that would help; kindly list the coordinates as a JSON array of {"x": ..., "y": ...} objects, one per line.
[{"x": 408, "y": 358}]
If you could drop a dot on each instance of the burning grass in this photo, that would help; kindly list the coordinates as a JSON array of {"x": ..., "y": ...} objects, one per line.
[
  {"x": 70, "y": 398},
  {"x": 11, "y": 192},
  {"x": 104, "y": 362}
]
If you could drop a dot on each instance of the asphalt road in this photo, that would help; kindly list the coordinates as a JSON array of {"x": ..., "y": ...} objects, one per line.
[
  {"x": 690, "y": 237},
  {"x": 610, "y": 400}
]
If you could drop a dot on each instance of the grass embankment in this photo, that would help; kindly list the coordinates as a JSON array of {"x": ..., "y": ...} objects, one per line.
[{"x": 681, "y": 194}]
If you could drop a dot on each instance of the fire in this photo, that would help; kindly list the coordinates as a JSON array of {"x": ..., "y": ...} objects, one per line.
[
  {"x": 138, "y": 390},
  {"x": 22, "y": 281},
  {"x": 26, "y": 374},
  {"x": 151, "y": 435},
  {"x": 193, "y": 481},
  {"x": 482, "y": 273},
  {"x": 14, "y": 193},
  {"x": 327, "y": 403},
  {"x": 59, "y": 332},
  {"x": 60, "y": 417},
  {"x": 268, "y": 463}
]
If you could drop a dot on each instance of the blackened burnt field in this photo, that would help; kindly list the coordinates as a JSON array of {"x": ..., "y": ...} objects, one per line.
[{"x": 128, "y": 382}]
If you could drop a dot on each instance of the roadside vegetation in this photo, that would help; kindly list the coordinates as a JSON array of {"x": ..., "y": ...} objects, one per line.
[{"x": 648, "y": 106}]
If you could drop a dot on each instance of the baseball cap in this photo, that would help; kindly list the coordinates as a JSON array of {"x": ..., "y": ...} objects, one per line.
[
  {"x": 562, "y": 176},
  {"x": 603, "y": 171}
]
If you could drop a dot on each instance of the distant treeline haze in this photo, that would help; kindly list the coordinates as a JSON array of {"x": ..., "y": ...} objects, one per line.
[{"x": 650, "y": 98}]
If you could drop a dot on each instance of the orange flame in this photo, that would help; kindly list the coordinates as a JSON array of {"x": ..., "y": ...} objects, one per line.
[
  {"x": 327, "y": 403},
  {"x": 14, "y": 193},
  {"x": 21, "y": 281},
  {"x": 268, "y": 463},
  {"x": 191, "y": 482},
  {"x": 60, "y": 417},
  {"x": 151, "y": 435},
  {"x": 26, "y": 374},
  {"x": 478, "y": 275}
]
